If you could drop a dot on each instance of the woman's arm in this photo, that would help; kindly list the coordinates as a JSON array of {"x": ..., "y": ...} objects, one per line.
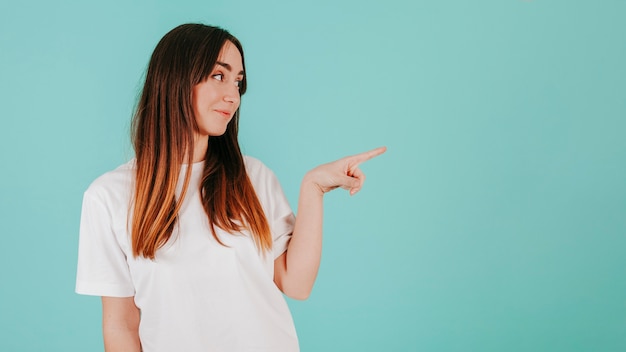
[
  {"x": 120, "y": 324},
  {"x": 296, "y": 269}
]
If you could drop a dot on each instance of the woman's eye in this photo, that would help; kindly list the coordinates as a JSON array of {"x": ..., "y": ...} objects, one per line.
[
  {"x": 238, "y": 83},
  {"x": 218, "y": 76}
]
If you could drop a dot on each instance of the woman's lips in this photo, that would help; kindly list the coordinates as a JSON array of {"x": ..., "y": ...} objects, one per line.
[{"x": 224, "y": 113}]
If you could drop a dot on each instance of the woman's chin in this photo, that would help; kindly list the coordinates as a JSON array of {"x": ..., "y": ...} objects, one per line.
[{"x": 217, "y": 133}]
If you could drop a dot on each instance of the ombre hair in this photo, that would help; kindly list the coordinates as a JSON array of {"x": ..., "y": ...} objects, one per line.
[{"x": 163, "y": 130}]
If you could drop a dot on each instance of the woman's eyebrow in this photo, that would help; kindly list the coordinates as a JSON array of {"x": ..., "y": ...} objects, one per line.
[{"x": 227, "y": 67}]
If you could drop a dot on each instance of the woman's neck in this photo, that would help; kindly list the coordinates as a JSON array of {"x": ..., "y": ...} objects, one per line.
[{"x": 201, "y": 143}]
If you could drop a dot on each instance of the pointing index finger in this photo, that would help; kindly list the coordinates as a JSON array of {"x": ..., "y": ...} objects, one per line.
[{"x": 362, "y": 157}]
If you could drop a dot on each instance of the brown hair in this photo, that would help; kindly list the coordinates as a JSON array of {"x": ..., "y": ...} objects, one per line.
[{"x": 163, "y": 130}]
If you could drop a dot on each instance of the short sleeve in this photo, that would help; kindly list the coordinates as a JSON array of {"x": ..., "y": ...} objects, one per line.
[
  {"x": 277, "y": 210},
  {"x": 282, "y": 219},
  {"x": 102, "y": 267}
]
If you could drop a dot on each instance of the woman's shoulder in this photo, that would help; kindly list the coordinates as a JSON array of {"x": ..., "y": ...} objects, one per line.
[
  {"x": 115, "y": 183},
  {"x": 253, "y": 164},
  {"x": 267, "y": 187},
  {"x": 257, "y": 171}
]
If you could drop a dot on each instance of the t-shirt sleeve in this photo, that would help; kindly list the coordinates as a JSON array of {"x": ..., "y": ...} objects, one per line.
[
  {"x": 282, "y": 221},
  {"x": 279, "y": 213},
  {"x": 102, "y": 267}
]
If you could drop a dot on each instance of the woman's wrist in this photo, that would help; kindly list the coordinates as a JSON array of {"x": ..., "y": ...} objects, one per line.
[{"x": 310, "y": 186}]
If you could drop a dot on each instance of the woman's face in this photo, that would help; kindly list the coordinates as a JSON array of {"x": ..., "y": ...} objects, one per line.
[{"x": 216, "y": 99}]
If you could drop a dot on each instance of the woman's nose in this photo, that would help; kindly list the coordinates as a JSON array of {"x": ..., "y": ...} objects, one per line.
[{"x": 231, "y": 94}]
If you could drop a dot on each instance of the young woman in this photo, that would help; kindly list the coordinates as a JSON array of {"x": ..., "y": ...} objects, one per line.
[{"x": 190, "y": 244}]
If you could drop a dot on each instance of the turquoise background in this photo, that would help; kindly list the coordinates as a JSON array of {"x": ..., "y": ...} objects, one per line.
[{"x": 495, "y": 222}]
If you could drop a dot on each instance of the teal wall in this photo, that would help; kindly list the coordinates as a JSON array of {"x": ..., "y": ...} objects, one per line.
[{"x": 495, "y": 222}]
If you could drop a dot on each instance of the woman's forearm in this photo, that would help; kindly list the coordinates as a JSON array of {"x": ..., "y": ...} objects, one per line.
[{"x": 305, "y": 247}]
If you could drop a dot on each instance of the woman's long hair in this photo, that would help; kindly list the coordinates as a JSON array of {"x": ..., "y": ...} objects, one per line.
[{"x": 163, "y": 130}]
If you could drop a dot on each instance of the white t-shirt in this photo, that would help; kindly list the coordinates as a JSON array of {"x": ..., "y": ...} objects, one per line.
[{"x": 197, "y": 295}]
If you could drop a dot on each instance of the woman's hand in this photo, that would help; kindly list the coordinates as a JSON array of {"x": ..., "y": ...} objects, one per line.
[{"x": 344, "y": 173}]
